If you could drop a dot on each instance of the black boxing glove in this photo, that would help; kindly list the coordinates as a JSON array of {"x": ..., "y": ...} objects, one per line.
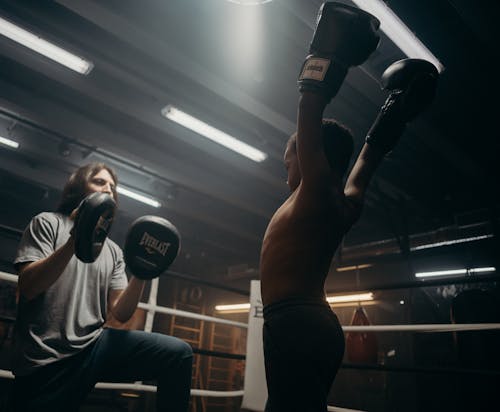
[
  {"x": 344, "y": 36},
  {"x": 152, "y": 244},
  {"x": 93, "y": 221},
  {"x": 412, "y": 83}
]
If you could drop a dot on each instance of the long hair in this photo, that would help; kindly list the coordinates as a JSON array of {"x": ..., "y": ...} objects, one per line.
[
  {"x": 75, "y": 188},
  {"x": 338, "y": 145}
]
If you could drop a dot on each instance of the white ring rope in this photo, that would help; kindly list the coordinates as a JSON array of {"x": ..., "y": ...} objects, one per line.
[
  {"x": 152, "y": 308},
  {"x": 9, "y": 277},
  {"x": 146, "y": 388},
  {"x": 423, "y": 328},
  {"x": 171, "y": 311},
  {"x": 6, "y": 374},
  {"x": 161, "y": 309},
  {"x": 152, "y": 388},
  {"x": 153, "y": 294},
  {"x": 368, "y": 328}
]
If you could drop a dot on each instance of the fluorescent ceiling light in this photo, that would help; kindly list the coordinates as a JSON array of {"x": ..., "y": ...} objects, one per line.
[
  {"x": 360, "y": 297},
  {"x": 355, "y": 267},
  {"x": 451, "y": 242},
  {"x": 482, "y": 270},
  {"x": 398, "y": 32},
  {"x": 454, "y": 272},
  {"x": 8, "y": 142},
  {"x": 37, "y": 44},
  {"x": 137, "y": 196},
  {"x": 245, "y": 307},
  {"x": 441, "y": 273},
  {"x": 238, "y": 307},
  {"x": 129, "y": 394},
  {"x": 351, "y": 304},
  {"x": 212, "y": 133}
]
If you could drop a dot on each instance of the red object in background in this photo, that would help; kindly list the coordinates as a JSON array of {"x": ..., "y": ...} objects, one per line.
[{"x": 361, "y": 347}]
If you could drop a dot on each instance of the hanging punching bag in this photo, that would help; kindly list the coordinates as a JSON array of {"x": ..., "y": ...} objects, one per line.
[{"x": 361, "y": 347}]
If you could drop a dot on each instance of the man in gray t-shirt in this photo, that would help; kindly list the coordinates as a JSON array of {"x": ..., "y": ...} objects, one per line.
[{"x": 61, "y": 346}]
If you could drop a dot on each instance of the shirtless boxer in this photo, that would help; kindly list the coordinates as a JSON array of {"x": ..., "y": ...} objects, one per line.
[{"x": 303, "y": 340}]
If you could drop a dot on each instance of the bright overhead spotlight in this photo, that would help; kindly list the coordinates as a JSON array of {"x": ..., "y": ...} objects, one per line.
[
  {"x": 39, "y": 45},
  {"x": 212, "y": 133},
  {"x": 8, "y": 142},
  {"x": 137, "y": 196},
  {"x": 398, "y": 32}
]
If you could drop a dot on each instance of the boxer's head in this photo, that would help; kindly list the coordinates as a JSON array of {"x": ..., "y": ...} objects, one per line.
[
  {"x": 338, "y": 146},
  {"x": 93, "y": 177}
]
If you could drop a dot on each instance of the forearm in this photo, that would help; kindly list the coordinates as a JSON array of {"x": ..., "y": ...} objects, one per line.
[
  {"x": 309, "y": 125},
  {"x": 362, "y": 172},
  {"x": 309, "y": 120},
  {"x": 124, "y": 307},
  {"x": 37, "y": 277}
]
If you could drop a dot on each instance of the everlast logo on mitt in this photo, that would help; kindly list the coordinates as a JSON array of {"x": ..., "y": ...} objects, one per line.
[
  {"x": 315, "y": 68},
  {"x": 153, "y": 245}
]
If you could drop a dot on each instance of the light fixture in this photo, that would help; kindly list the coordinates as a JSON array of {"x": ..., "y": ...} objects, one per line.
[
  {"x": 333, "y": 300},
  {"x": 129, "y": 395},
  {"x": 216, "y": 135},
  {"x": 8, "y": 142},
  {"x": 441, "y": 273},
  {"x": 351, "y": 304},
  {"x": 398, "y": 32},
  {"x": 354, "y": 267},
  {"x": 39, "y": 45},
  {"x": 454, "y": 272},
  {"x": 482, "y": 270},
  {"x": 235, "y": 308},
  {"x": 451, "y": 242},
  {"x": 360, "y": 297},
  {"x": 137, "y": 196}
]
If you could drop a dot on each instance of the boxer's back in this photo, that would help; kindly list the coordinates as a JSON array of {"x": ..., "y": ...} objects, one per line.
[{"x": 300, "y": 242}]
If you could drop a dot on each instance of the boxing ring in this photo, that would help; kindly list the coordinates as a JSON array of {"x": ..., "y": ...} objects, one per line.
[{"x": 254, "y": 392}]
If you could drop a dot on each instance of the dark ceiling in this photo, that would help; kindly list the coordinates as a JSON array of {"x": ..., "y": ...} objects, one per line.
[{"x": 235, "y": 67}]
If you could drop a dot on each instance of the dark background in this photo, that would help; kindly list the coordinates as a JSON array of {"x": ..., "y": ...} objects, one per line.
[{"x": 235, "y": 67}]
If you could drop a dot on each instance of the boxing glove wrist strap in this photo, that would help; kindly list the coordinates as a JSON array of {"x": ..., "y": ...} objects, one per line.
[{"x": 322, "y": 75}]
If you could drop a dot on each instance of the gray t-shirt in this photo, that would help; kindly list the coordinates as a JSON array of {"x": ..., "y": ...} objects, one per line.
[{"x": 70, "y": 314}]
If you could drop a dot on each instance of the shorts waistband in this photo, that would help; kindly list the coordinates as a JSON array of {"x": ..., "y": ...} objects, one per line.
[{"x": 296, "y": 301}]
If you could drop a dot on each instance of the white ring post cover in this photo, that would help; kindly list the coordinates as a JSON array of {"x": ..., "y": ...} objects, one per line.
[{"x": 255, "y": 388}]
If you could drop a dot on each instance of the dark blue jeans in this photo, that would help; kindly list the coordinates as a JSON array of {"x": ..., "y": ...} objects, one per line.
[{"x": 116, "y": 356}]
